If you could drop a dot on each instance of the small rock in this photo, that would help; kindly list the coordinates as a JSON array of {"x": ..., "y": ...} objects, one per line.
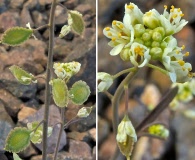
[
  {"x": 103, "y": 129},
  {"x": 31, "y": 4},
  {"x": 16, "y": 4},
  {"x": 54, "y": 117},
  {"x": 107, "y": 148},
  {"x": 60, "y": 15},
  {"x": 12, "y": 104},
  {"x": 6, "y": 124},
  {"x": 79, "y": 149},
  {"x": 39, "y": 19},
  {"x": 25, "y": 112},
  {"x": 28, "y": 152},
  {"x": 84, "y": 8},
  {"x": 3, "y": 156},
  {"x": 71, "y": 4},
  {"x": 44, "y": 2},
  {"x": 9, "y": 19},
  {"x": 77, "y": 135},
  {"x": 26, "y": 17},
  {"x": 92, "y": 133}
]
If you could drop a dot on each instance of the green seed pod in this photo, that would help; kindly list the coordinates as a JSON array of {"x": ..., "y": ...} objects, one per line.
[
  {"x": 84, "y": 112},
  {"x": 155, "y": 44},
  {"x": 15, "y": 36},
  {"x": 156, "y": 36},
  {"x": 139, "y": 30},
  {"x": 124, "y": 54},
  {"x": 21, "y": 75},
  {"x": 161, "y": 30},
  {"x": 76, "y": 21},
  {"x": 146, "y": 36},
  {"x": 156, "y": 53},
  {"x": 17, "y": 140},
  {"x": 79, "y": 92},
  {"x": 139, "y": 40},
  {"x": 60, "y": 92}
]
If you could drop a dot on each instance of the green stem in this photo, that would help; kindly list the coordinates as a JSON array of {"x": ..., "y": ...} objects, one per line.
[
  {"x": 157, "y": 68},
  {"x": 123, "y": 72},
  {"x": 48, "y": 76},
  {"x": 117, "y": 96},
  {"x": 41, "y": 27},
  {"x": 126, "y": 98},
  {"x": 60, "y": 133}
]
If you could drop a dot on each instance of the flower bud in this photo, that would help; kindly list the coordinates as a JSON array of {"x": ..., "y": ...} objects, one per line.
[
  {"x": 139, "y": 30},
  {"x": 124, "y": 54},
  {"x": 150, "y": 19},
  {"x": 156, "y": 36},
  {"x": 156, "y": 53}
]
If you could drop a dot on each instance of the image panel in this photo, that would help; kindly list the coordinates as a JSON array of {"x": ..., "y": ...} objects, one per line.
[
  {"x": 145, "y": 80},
  {"x": 47, "y": 79}
]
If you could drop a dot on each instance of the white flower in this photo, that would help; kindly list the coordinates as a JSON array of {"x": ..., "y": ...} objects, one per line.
[
  {"x": 151, "y": 19},
  {"x": 121, "y": 36},
  {"x": 139, "y": 54},
  {"x": 125, "y": 130},
  {"x": 172, "y": 22},
  {"x": 59, "y": 70},
  {"x": 133, "y": 15},
  {"x": 106, "y": 81}
]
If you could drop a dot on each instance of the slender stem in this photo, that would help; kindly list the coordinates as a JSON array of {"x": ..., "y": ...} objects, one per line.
[
  {"x": 124, "y": 71},
  {"x": 157, "y": 68},
  {"x": 48, "y": 76},
  {"x": 110, "y": 96},
  {"x": 126, "y": 98},
  {"x": 164, "y": 103},
  {"x": 73, "y": 120},
  {"x": 116, "y": 98},
  {"x": 37, "y": 126},
  {"x": 41, "y": 27},
  {"x": 60, "y": 133}
]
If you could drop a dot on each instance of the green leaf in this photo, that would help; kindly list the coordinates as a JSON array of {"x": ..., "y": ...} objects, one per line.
[
  {"x": 21, "y": 75},
  {"x": 36, "y": 136},
  {"x": 79, "y": 92},
  {"x": 76, "y": 21},
  {"x": 16, "y": 35},
  {"x": 60, "y": 92},
  {"x": 16, "y": 157},
  {"x": 17, "y": 140}
]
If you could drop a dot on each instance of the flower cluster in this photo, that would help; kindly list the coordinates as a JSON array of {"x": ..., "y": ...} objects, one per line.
[
  {"x": 158, "y": 130},
  {"x": 143, "y": 37},
  {"x": 66, "y": 70},
  {"x": 185, "y": 93}
]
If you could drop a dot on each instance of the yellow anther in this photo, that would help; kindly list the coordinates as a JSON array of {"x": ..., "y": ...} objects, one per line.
[
  {"x": 171, "y": 10},
  {"x": 189, "y": 69},
  {"x": 130, "y": 6},
  {"x": 114, "y": 22},
  {"x": 179, "y": 9},
  {"x": 119, "y": 35},
  {"x": 181, "y": 62},
  {"x": 165, "y": 6},
  {"x": 107, "y": 28},
  {"x": 177, "y": 51},
  {"x": 124, "y": 143},
  {"x": 190, "y": 75},
  {"x": 149, "y": 13},
  {"x": 172, "y": 7},
  {"x": 113, "y": 39},
  {"x": 183, "y": 47},
  {"x": 182, "y": 15},
  {"x": 121, "y": 26},
  {"x": 109, "y": 34},
  {"x": 174, "y": 16},
  {"x": 140, "y": 51},
  {"x": 187, "y": 54}
]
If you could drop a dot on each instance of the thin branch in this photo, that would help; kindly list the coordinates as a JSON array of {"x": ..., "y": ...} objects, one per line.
[
  {"x": 60, "y": 133},
  {"x": 109, "y": 95},
  {"x": 48, "y": 76},
  {"x": 124, "y": 71},
  {"x": 41, "y": 27},
  {"x": 164, "y": 103}
]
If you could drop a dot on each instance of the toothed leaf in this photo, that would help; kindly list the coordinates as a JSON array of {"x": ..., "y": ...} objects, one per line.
[
  {"x": 21, "y": 75},
  {"x": 60, "y": 92},
  {"x": 15, "y": 36},
  {"x": 76, "y": 22},
  {"x": 17, "y": 140},
  {"x": 79, "y": 92}
]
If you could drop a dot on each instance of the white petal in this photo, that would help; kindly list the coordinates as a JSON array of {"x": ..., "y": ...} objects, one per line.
[
  {"x": 116, "y": 50},
  {"x": 172, "y": 76}
]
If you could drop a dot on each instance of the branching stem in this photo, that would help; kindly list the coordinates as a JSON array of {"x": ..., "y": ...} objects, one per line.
[{"x": 48, "y": 76}]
